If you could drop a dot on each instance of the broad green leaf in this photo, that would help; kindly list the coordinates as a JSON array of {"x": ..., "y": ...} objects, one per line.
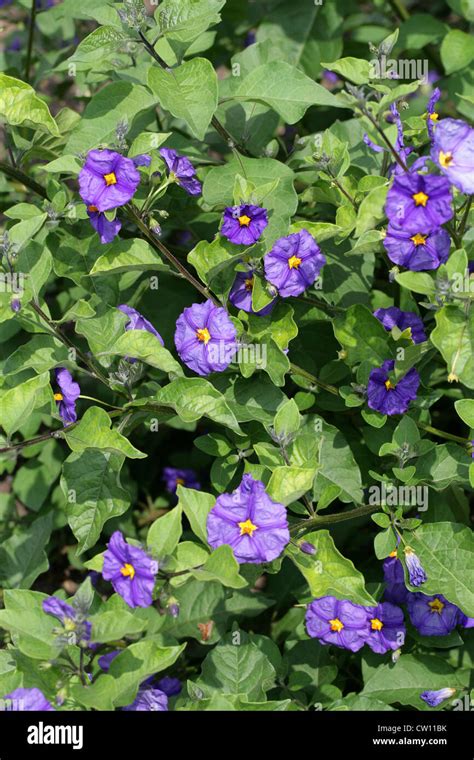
[
  {"x": 223, "y": 567},
  {"x": 465, "y": 409},
  {"x": 183, "y": 21},
  {"x": 288, "y": 484},
  {"x": 17, "y": 403},
  {"x": 328, "y": 573},
  {"x": 196, "y": 506},
  {"x": 188, "y": 92},
  {"x": 453, "y": 336},
  {"x": 91, "y": 484},
  {"x": 446, "y": 551},
  {"x": 94, "y": 431},
  {"x": 41, "y": 353},
  {"x": 20, "y": 106},
  {"x": 165, "y": 532},
  {"x": 22, "y": 555},
  {"x": 457, "y": 50},
  {"x": 31, "y": 628},
  {"x": 356, "y": 70},
  {"x": 362, "y": 336},
  {"x": 128, "y": 256},
  {"x": 114, "y": 621},
  {"x": 140, "y": 344},
  {"x": 193, "y": 398}
]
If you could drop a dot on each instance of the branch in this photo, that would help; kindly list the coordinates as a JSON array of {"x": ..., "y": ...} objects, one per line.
[
  {"x": 17, "y": 174},
  {"x": 305, "y": 526}
]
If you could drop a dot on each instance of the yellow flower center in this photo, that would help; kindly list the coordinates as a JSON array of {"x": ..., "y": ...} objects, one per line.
[
  {"x": 445, "y": 159},
  {"x": 336, "y": 624},
  {"x": 128, "y": 571},
  {"x": 294, "y": 262},
  {"x": 436, "y": 605},
  {"x": 244, "y": 220},
  {"x": 434, "y": 116},
  {"x": 419, "y": 239},
  {"x": 393, "y": 554},
  {"x": 203, "y": 335},
  {"x": 92, "y": 209},
  {"x": 421, "y": 199},
  {"x": 69, "y": 624},
  {"x": 389, "y": 385},
  {"x": 58, "y": 396},
  {"x": 180, "y": 481},
  {"x": 110, "y": 179},
  {"x": 247, "y": 528},
  {"x": 376, "y": 624},
  {"x": 248, "y": 283}
]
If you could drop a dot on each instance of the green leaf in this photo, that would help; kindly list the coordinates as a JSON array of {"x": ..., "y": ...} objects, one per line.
[
  {"x": 31, "y": 628},
  {"x": 285, "y": 89},
  {"x": 20, "y": 106},
  {"x": 223, "y": 567},
  {"x": 356, "y": 70},
  {"x": 23, "y": 556},
  {"x": 94, "y": 431},
  {"x": 128, "y": 256},
  {"x": 465, "y": 409},
  {"x": 165, "y": 532},
  {"x": 41, "y": 353},
  {"x": 409, "y": 677},
  {"x": 362, "y": 336},
  {"x": 288, "y": 484},
  {"x": 328, "y": 573},
  {"x": 114, "y": 621},
  {"x": 196, "y": 506},
  {"x": 183, "y": 21},
  {"x": 457, "y": 50},
  {"x": 140, "y": 344},
  {"x": 193, "y": 398},
  {"x": 189, "y": 92},
  {"x": 287, "y": 420},
  {"x": 91, "y": 484},
  {"x": 453, "y": 336},
  {"x": 17, "y": 403},
  {"x": 446, "y": 551}
]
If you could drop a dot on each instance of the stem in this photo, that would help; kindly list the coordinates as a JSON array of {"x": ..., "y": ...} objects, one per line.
[
  {"x": 384, "y": 137},
  {"x": 161, "y": 248},
  {"x": 320, "y": 304},
  {"x": 442, "y": 433},
  {"x": 400, "y": 9},
  {"x": 299, "y": 371},
  {"x": 463, "y": 225},
  {"x": 14, "y": 173},
  {"x": 99, "y": 401},
  {"x": 318, "y": 521},
  {"x": 31, "y": 34},
  {"x": 454, "y": 235},
  {"x": 341, "y": 187}
]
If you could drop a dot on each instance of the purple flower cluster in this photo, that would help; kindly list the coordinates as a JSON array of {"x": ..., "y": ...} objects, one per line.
[
  {"x": 244, "y": 224},
  {"x": 350, "y": 626},
  {"x": 205, "y": 338},
  {"x": 250, "y": 522},
  {"x": 294, "y": 263}
]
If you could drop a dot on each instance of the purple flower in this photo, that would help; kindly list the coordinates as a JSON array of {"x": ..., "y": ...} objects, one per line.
[
  {"x": 307, "y": 548},
  {"x": 386, "y": 629},
  {"x": 432, "y": 116},
  {"x": 337, "y": 622},
  {"x": 174, "y": 476},
  {"x": 25, "y": 700},
  {"x": 419, "y": 251},
  {"x": 466, "y": 622},
  {"x": 181, "y": 171},
  {"x": 149, "y": 700},
  {"x": 15, "y": 305},
  {"x": 131, "y": 571},
  {"x": 106, "y": 229},
  {"x": 419, "y": 202},
  {"x": 143, "y": 159},
  {"x": 394, "y": 317},
  {"x": 434, "y": 698},
  {"x": 240, "y": 294},
  {"x": 250, "y": 522},
  {"x": 244, "y": 224},
  {"x": 170, "y": 686},
  {"x": 66, "y": 398},
  {"x": 329, "y": 79},
  {"x": 294, "y": 263},
  {"x": 433, "y": 615},
  {"x": 453, "y": 152},
  {"x": 205, "y": 338},
  {"x": 107, "y": 180},
  {"x": 416, "y": 572},
  {"x": 138, "y": 322},
  {"x": 70, "y": 619},
  {"x": 105, "y": 660},
  {"x": 387, "y": 398},
  {"x": 395, "y": 591}
]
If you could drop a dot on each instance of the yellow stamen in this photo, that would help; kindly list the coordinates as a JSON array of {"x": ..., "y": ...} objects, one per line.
[
  {"x": 247, "y": 528},
  {"x": 393, "y": 554},
  {"x": 58, "y": 397},
  {"x": 445, "y": 159},
  {"x": 69, "y": 624},
  {"x": 203, "y": 335},
  {"x": 436, "y": 605},
  {"x": 376, "y": 624},
  {"x": 336, "y": 625},
  {"x": 92, "y": 209},
  {"x": 110, "y": 179},
  {"x": 244, "y": 220},
  {"x": 434, "y": 116},
  {"x": 294, "y": 262},
  {"x": 249, "y": 283},
  {"x": 128, "y": 571},
  {"x": 419, "y": 239},
  {"x": 421, "y": 199},
  {"x": 389, "y": 385}
]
